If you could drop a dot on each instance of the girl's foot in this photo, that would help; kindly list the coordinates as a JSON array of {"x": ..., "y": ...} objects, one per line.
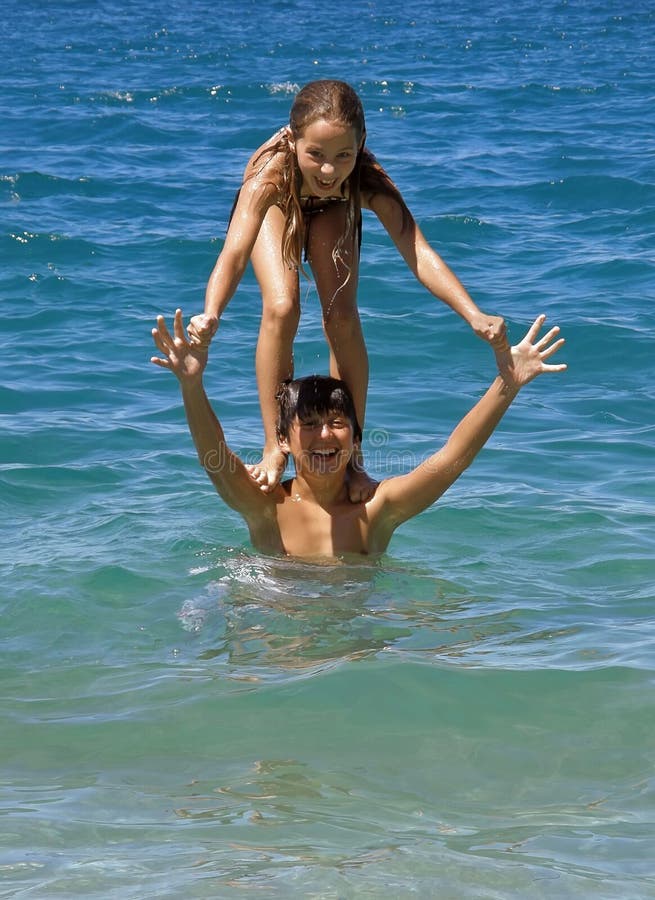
[{"x": 269, "y": 470}]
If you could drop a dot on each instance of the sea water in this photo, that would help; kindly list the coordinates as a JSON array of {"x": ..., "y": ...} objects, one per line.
[{"x": 472, "y": 716}]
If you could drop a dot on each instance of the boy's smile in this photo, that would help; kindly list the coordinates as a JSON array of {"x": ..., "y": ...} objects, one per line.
[{"x": 321, "y": 444}]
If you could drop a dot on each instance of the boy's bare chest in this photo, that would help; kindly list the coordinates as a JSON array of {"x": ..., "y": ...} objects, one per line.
[{"x": 308, "y": 529}]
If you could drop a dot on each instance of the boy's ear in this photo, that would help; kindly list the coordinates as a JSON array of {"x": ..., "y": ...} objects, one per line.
[{"x": 283, "y": 444}]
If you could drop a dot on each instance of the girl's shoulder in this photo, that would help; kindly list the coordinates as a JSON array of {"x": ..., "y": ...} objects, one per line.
[
  {"x": 271, "y": 159},
  {"x": 373, "y": 179},
  {"x": 264, "y": 176},
  {"x": 380, "y": 194}
]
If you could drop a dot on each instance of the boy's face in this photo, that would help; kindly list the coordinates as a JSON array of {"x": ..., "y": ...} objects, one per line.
[{"x": 320, "y": 443}]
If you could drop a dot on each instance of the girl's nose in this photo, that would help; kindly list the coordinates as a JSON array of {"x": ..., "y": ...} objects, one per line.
[{"x": 327, "y": 168}]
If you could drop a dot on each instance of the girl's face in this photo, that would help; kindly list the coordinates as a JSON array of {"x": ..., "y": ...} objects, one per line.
[{"x": 326, "y": 154}]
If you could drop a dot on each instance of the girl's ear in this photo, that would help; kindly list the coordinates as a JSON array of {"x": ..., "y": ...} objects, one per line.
[
  {"x": 291, "y": 141},
  {"x": 283, "y": 444},
  {"x": 362, "y": 142}
]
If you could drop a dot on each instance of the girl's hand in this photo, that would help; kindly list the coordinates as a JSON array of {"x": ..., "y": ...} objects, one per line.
[
  {"x": 202, "y": 329},
  {"x": 185, "y": 360},
  {"x": 520, "y": 364},
  {"x": 491, "y": 329}
]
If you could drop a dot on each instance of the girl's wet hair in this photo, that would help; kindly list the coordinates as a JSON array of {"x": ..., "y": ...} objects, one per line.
[
  {"x": 314, "y": 395},
  {"x": 332, "y": 101},
  {"x": 335, "y": 102}
]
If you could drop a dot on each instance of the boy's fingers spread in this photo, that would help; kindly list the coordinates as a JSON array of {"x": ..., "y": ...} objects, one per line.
[
  {"x": 164, "y": 333},
  {"x": 536, "y": 325},
  {"x": 552, "y": 349},
  {"x": 547, "y": 338},
  {"x": 156, "y": 336},
  {"x": 178, "y": 324},
  {"x": 551, "y": 334}
]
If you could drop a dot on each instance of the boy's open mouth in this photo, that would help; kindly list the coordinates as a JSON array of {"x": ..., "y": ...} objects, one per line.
[{"x": 320, "y": 460}]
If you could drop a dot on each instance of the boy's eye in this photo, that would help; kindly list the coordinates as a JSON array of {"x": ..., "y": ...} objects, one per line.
[{"x": 310, "y": 424}]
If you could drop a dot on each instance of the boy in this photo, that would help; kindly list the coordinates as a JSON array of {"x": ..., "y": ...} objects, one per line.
[{"x": 311, "y": 515}]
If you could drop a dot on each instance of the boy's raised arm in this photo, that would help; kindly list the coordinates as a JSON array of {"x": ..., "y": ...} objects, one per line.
[
  {"x": 187, "y": 362},
  {"x": 407, "y": 495}
]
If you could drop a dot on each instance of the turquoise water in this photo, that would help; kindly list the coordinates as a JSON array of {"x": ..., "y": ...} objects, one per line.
[{"x": 473, "y": 716}]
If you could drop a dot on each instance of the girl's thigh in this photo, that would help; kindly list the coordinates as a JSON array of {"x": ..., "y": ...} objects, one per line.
[
  {"x": 334, "y": 258},
  {"x": 277, "y": 282}
]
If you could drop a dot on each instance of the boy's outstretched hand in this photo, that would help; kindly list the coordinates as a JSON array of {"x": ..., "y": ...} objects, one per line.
[
  {"x": 185, "y": 360},
  {"x": 518, "y": 365}
]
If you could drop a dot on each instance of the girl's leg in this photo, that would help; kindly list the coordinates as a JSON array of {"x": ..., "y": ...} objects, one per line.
[
  {"x": 274, "y": 357},
  {"x": 336, "y": 282}
]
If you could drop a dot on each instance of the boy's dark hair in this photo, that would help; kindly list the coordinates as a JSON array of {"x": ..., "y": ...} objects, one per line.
[{"x": 304, "y": 397}]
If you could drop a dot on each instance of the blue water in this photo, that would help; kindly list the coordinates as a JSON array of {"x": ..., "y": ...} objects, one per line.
[{"x": 473, "y": 716}]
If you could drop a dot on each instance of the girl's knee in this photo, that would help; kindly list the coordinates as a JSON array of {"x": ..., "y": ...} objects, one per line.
[
  {"x": 280, "y": 312},
  {"x": 342, "y": 325}
]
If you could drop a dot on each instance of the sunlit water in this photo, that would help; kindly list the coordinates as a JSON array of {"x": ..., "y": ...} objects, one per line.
[{"x": 473, "y": 714}]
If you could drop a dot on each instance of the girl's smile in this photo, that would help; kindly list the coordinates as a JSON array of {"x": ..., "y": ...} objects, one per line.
[{"x": 326, "y": 154}]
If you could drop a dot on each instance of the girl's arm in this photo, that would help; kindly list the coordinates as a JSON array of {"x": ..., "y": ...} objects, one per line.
[
  {"x": 255, "y": 199},
  {"x": 433, "y": 273},
  {"x": 407, "y": 495}
]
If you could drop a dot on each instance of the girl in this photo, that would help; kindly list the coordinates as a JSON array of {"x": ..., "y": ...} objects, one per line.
[{"x": 301, "y": 200}]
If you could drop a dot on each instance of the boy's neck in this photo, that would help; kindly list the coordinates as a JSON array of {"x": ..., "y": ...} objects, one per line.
[{"x": 324, "y": 491}]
